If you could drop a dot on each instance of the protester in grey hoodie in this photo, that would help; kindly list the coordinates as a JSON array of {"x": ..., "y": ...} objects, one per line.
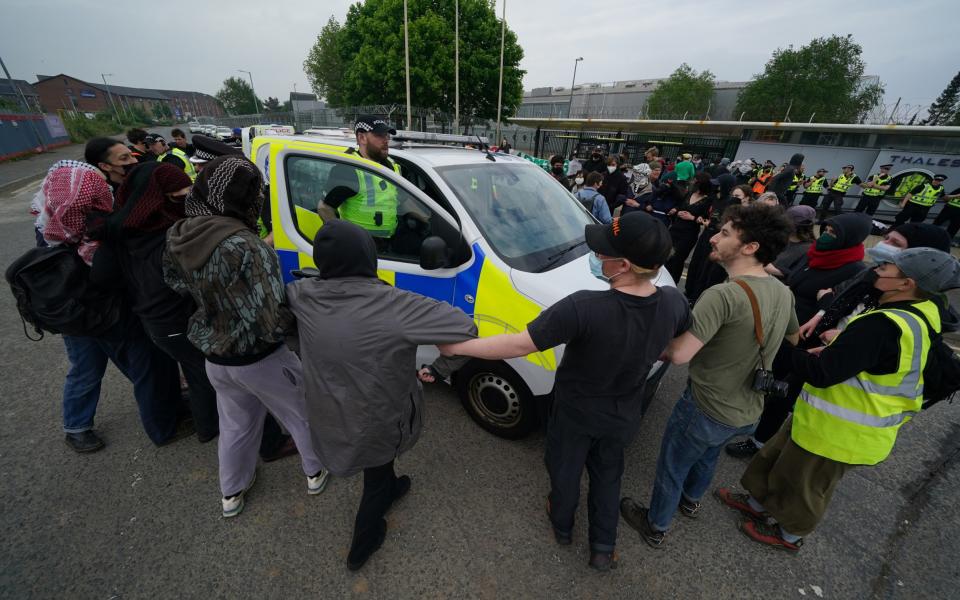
[{"x": 358, "y": 342}]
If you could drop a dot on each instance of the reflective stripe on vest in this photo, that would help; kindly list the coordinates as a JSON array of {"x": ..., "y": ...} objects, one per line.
[
  {"x": 816, "y": 185},
  {"x": 843, "y": 183},
  {"x": 954, "y": 202},
  {"x": 760, "y": 185},
  {"x": 188, "y": 167},
  {"x": 879, "y": 180},
  {"x": 796, "y": 181},
  {"x": 856, "y": 421},
  {"x": 374, "y": 207},
  {"x": 927, "y": 196}
]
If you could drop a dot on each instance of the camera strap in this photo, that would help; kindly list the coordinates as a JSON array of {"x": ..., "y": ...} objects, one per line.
[{"x": 757, "y": 324}]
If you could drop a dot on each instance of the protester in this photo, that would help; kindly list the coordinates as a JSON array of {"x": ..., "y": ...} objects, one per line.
[
  {"x": 597, "y": 410},
  {"x": 801, "y": 238},
  {"x": 592, "y": 199},
  {"x": 781, "y": 183},
  {"x": 138, "y": 147},
  {"x": 861, "y": 388},
  {"x": 574, "y": 166},
  {"x": 615, "y": 187},
  {"x": 703, "y": 272},
  {"x": 685, "y": 224},
  {"x": 768, "y": 199},
  {"x": 685, "y": 168},
  {"x": 364, "y": 403},
  {"x": 578, "y": 182},
  {"x": 640, "y": 183},
  {"x": 556, "y": 170},
  {"x": 596, "y": 162},
  {"x": 216, "y": 256},
  {"x": 112, "y": 158},
  {"x": 751, "y": 312}
]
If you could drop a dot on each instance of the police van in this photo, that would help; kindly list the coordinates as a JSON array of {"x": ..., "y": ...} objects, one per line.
[{"x": 489, "y": 233}]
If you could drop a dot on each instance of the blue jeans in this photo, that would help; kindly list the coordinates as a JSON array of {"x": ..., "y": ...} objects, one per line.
[
  {"x": 688, "y": 456},
  {"x": 156, "y": 382}
]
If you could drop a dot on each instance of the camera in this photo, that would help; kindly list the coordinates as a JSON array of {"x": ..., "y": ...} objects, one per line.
[{"x": 765, "y": 383}]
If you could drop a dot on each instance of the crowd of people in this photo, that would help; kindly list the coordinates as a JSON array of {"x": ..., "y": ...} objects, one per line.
[{"x": 176, "y": 233}]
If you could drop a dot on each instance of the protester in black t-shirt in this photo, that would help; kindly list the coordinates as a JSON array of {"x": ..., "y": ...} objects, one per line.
[{"x": 598, "y": 394}]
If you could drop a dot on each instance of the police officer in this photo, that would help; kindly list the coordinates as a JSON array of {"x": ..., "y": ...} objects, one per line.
[
  {"x": 357, "y": 196},
  {"x": 175, "y": 156},
  {"x": 874, "y": 189},
  {"x": 918, "y": 201},
  {"x": 813, "y": 188},
  {"x": 833, "y": 201},
  {"x": 950, "y": 213}
]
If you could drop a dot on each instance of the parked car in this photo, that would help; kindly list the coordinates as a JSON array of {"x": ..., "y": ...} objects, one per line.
[
  {"x": 223, "y": 133},
  {"x": 194, "y": 126}
]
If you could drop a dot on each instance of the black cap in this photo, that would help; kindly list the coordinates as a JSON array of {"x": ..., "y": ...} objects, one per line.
[
  {"x": 848, "y": 166},
  {"x": 372, "y": 124},
  {"x": 637, "y": 236},
  {"x": 206, "y": 149},
  {"x": 153, "y": 138},
  {"x": 886, "y": 166},
  {"x": 940, "y": 176}
]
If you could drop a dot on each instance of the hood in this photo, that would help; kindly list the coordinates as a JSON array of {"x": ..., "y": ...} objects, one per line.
[
  {"x": 919, "y": 235},
  {"x": 342, "y": 249},
  {"x": 851, "y": 229},
  {"x": 191, "y": 241},
  {"x": 796, "y": 160},
  {"x": 726, "y": 182}
]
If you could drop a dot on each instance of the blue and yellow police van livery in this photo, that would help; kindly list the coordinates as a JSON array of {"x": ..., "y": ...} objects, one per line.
[{"x": 489, "y": 233}]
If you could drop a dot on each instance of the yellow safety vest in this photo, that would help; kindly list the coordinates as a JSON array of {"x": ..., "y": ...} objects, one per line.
[
  {"x": 816, "y": 185},
  {"x": 843, "y": 183},
  {"x": 954, "y": 202},
  {"x": 796, "y": 181},
  {"x": 188, "y": 167},
  {"x": 374, "y": 207},
  {"x": 856, "y": 421},
  {"x": 927, "y": 196},
  {"x": 879, "y": 180}
]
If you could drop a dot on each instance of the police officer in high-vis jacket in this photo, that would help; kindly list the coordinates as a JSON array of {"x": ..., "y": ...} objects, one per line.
[
  {"x": 918, "y": 201},
  {"x": 874, "y": 188},
  {"x": 173, "y": 155},
  {"x": 861, "y": 389},
  {"x": 359, "y": 196}
]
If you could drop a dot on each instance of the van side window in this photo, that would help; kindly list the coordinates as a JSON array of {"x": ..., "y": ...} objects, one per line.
[{"x": 397, "y": 221}]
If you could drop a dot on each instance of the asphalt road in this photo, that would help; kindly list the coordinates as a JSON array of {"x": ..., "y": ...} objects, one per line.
[{"x": 136, "y": 521}]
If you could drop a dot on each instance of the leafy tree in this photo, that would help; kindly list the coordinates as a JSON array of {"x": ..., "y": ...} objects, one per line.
[
  {"x": 946, "y": 108},
  {"x": 287, "y": 106},
  {"x": 684, "y": 92},
  {"x": 271, "y": 104},
  {"x": 362, "y": 61},
  {"x": 823, "y": 79},
  {"x": 237, "y": 98},
  {"x": 161, "y": 110}
]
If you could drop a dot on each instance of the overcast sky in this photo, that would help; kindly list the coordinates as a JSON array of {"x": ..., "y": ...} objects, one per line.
[{"x": 195, "y": 45}]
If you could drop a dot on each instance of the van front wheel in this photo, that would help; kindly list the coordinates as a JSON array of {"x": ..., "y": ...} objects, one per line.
[{"x": 496, "y": 398}]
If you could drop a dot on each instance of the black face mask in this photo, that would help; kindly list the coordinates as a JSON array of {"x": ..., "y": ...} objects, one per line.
[
  {"x": 558, "y": 170},
  {"x": 595, "y": 156}
]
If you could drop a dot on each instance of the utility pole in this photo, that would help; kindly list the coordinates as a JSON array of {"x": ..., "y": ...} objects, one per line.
[
  {"x": 109, "y": 95},
  {"x": 456, "y": 45},
  {"x": 572, "y": 85},
  {"x": 503, "y": 33},
  {"x": 406, "y": 60},
  {"x": 26, "y": 107},
  {"x": 256, "y": 101}
]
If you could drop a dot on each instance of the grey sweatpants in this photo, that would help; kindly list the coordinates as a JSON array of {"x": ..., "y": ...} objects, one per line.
[{"x": 244, "y": 395}]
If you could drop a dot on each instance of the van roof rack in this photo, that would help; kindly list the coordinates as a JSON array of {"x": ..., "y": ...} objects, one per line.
[{"x": 439, "y": 138}]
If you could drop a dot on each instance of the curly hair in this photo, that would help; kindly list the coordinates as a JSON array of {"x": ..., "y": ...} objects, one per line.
[{"x": 769, "y": 226}]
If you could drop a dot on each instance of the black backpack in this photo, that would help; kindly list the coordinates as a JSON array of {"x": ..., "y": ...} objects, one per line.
[
  {"x": 53, "y": 292},
  {"x": 941, "y": 375}
]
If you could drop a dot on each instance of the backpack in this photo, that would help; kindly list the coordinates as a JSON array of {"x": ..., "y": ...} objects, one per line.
[
  {"x": 53, "y": 292},
  {"x": 941, "y": 375}
]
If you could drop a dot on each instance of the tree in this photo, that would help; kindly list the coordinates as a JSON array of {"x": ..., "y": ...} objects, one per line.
[
  {"x": 237, "y": 98},
  {"x": 271, "y": 104},
  {"x": 823, "y": 79},
  {"x": 362, "y": 61},
  {"x": 684, "y": 92},
  {"x": 946, "y": 108}
]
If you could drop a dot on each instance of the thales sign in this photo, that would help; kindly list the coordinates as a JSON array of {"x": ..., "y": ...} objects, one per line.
[{"x": 932, "y": 161}]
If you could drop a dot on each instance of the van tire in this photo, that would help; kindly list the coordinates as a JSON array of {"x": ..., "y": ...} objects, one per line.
[{"x": 496, "y": 398}]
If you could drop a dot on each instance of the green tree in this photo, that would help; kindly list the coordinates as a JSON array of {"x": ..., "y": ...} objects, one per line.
[
  {"x": 946, "y": 108},
  {"x": 822, "y": 79},
  {"x": 271, "y": 104},
  {"x": 362, "y": 61},
  {"x": 161, "y": 110},
  {"x": 237, "y": 98},
  {"x": 685, "y": 92}
]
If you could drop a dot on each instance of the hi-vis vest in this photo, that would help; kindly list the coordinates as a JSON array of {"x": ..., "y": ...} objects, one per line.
[
  {"x": 797, "y": 178},
  {"x": 843, "y": 183},
  {"x": 760, "y": 185},
  {"x": 374, "y": 207},
  {"x": 879, "y": 180},
  {"x": 816, "y": 185},
  {"x": 188, "y": 167},
  {"x": 856, "y": 421},
  {"x": 927, "y": 196}
]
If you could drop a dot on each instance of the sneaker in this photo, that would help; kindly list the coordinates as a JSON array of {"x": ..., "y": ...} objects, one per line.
[
  {"x": 742, "y": 449},
  {"x": 689, "y": 508},
  {"x": 603, "y": 561},
  {"x": 84, "y": 442},
  {"x": 769, "y": 535},
  {"x": 739, "y": 501},
  {"x": 317, "y": 483},
  {"x": 564, "y": 538},
  {"x": 233, "y": 505},
  {"x": 635, "y": 514}
]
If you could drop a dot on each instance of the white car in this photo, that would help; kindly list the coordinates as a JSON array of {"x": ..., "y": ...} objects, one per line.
[
  {"x": 209, "y": 130},
  {"x": 194, "y": 126},
  {"x": 223, "y": 133}
]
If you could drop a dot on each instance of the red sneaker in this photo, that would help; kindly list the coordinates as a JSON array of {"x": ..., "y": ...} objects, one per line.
[
  {"x": 769, "y": 535},
  {"x": 738, "y": 501}
]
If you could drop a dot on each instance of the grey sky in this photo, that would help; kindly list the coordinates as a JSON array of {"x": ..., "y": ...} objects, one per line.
[{"x": 194, "y": 45}]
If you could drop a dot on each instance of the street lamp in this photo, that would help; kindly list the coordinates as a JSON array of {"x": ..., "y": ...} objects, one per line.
[
  {"x": 406, "y": 63},
  {"x": 503, "y": 32},
  {"x": 109, "y": 95},
  {"x": 256, "y": 102},
  {"x": 572, "y": 84}
]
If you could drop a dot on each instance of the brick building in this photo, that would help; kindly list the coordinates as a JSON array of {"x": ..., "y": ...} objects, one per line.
[{"x": 63, "y": 92}]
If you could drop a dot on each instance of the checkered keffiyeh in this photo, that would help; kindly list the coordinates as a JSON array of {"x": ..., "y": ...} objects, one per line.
[
  {"x": 69, "y": 193},
  {"x": 231, "y": 186}
]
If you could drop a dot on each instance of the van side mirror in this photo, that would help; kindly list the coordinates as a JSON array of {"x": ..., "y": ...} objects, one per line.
[{"x": 433, "y": 253}]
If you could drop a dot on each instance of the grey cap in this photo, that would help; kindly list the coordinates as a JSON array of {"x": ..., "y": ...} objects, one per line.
[{"x": 933, "y": 270}]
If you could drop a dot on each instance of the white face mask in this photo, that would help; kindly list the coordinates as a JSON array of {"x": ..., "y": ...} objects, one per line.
[
  {"x": 886, "y": 250},
  {"x": 579, "y": 180},
  {"x": 611, "y": 169}
]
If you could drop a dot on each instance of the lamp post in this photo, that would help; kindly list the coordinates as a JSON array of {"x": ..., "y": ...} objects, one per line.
[
  {"x": 109, "y": 95},
  {"x": 572, "y": 85},
  {"x": 503, "y": 32},
  {"x": 456, "y": 60},
  {"x": 256, "y": 102},
  {"x": 406, "y": 60}
]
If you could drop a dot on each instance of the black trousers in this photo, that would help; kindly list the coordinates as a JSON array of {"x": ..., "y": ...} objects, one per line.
[
  {"x": 702, "y": 272},
  {"x": 684, "y": 240},
  {"x": 868, "y": 204},
  {"x": 379, "y": 487},
  {"x": 203, "y": 397},
  {"x": 570, "y": 448},
  {"x": 810, "y": 200},
  {"x": 951, "y": 215},
  {"x": 912, "y": 212},
  {"x": 832, "y": 205}
]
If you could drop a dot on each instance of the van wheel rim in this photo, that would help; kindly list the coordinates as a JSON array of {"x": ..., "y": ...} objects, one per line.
[{"x": 495, "y": 400}]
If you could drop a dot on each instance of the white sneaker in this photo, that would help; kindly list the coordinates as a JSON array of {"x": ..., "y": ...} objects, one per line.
[
  {"x": 318, "y": 482},
  {"x": 233, "y": 505}
]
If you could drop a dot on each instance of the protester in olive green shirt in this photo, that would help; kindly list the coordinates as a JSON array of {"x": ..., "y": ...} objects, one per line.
[{"x": 722, "y": 350}]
